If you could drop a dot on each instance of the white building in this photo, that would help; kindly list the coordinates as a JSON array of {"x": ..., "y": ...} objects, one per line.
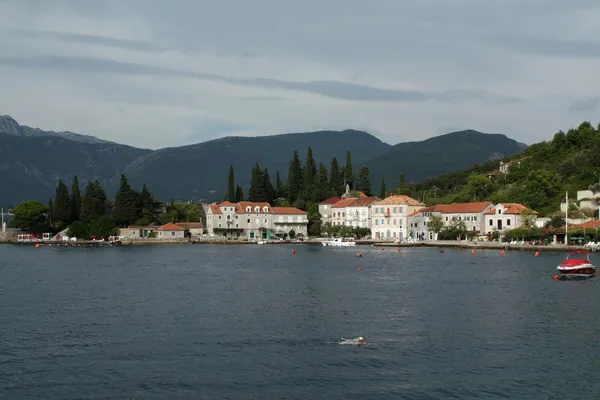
[
  {"x": 389, "y": 220},
  {"x": 325, "y": 209},
  {"x": 586, "y": 200},
  {"x": 418, "y": 221},
  {"x": 248, "y": 220},
  {"x": 358, "y": 213},
  {"x": 338, "y": 211},
  {"x": 506, "y": 216}
]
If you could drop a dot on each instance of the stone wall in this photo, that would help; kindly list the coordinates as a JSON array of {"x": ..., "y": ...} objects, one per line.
[{"x": 8, "y": 237}]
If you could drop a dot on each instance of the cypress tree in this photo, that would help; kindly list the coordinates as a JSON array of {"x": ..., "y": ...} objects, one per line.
[
  {"x": 147, "y": 204},
  {"x": 401, "y": 185},
  {"x": 268, "y": 189},
  {"x": 127, "y": 204},
  {"x": 322, "y": 184},
  {"x": 335, "y": 183},
  {"x": 295, "y": 179},
  {"x": 93, "y": 202},
  {"x": 231, "y": 186},
  {"x": 278, "y": 187},
  {"x": 363, "y": 183},
  {"x": 382, "y": 189},
  {"x": 348, "y": 174},
  {"x": 257, "y": 185},
  {"x": 239, "y": 194},
  {"x": 50, "y": 211},
  {"x": 75, "y": 200},
  {"x": 310, "y": 169},
  {"x": 62, "y": 211}
]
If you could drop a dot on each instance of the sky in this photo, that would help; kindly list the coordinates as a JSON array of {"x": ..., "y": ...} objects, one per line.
[{"x": 166, "y": 73}]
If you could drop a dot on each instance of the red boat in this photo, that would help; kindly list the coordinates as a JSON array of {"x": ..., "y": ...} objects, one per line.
[{"x": 577, "y": 264}]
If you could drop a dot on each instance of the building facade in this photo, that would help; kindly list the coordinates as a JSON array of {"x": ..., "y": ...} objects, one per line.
[
  {"x": 506, "y": 216},
  {"x": 389, "y": 219},
  {"x": 358, "y": 214},
  {"x": 250, "y": 220},
  {"x": 325, "y": 209}
]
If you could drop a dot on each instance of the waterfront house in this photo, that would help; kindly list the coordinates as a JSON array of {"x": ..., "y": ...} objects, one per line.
[
  {"x": 325, "y": 208},
  {"x": 418, "y": 221},
  {"x": 138, "y": 231},
  {"x": 338, "y": 211},
  {"x": 195, "y": 228},
  {"x": 358, "y": 213},
  {"x": 250, "y": 220},
  {"x": 506, "y": 216},
  {"x": 170, "y": 231},
  {"x": 389, "y": 219}
]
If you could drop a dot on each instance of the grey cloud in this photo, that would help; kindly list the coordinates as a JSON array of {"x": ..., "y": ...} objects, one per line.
[
  {"x": 547, "y": 46},
  {"x": 85, "y": 39},
  {"x": 333, "y": 89},
  {"x": 589, "y": 104}
]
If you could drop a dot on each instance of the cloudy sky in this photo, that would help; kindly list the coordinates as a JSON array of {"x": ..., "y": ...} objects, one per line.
[{"x": 154, "y": 73}]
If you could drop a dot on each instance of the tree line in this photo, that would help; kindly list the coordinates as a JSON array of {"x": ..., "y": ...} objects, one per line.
[{"x": 305, "y": 184}]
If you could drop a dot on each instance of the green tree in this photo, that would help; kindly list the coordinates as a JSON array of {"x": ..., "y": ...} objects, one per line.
[
  {"x": 314, "y": 220},
  {"x": 268, "y": 189},
  {"x": 382, "y": 189},
  {"x": 127, "y": 204},
  {"x": 101, "y": 227},
  {"x": 335, "y": 183},
  {"x": 75, "y": 200},
  {"x": 363, "y": 183},
  {"x": 50, "y": 212},
  {"x": 147, "y": 205},
  {"x": 402, "y": 187},
  {"x": 239, "y": 194},
  {"x": 231, "y": 186},
  {"x": 278, "y": 187},
  {"x": 322, "y": 191},
  {"x": 62, "y": 211},
  {"x": 94, "y": 202},
  {"x": 310, "y": 170},
  {"x": 295, "y": 179},
  {"x": 30, "y": 216},
  {"x": 348, "y": 174},
  {"x": 435, "y": 224},
  {"x": 292, "y": 234},
  {"x": 257, "y": 185}
]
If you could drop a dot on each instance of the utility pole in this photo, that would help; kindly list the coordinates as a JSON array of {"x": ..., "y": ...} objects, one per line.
[{"x": 567, "y": 218}]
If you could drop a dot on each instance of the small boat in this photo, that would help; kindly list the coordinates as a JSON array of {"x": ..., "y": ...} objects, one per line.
[
  {"x": 577, "y": 267},
  {"x": 261, "y": 242},
  {"x": 337, "y": 242}
]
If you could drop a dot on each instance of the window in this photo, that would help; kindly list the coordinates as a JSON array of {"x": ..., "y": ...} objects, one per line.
[
  {"x": 508, "y": 222},
  {"x": 219, "y": 217},
  {"x": 266, "y": 209},
  {"x": 395, "y": 209},
  {"x": 248, "y": 209},
  {"x": 172, "y": 233},
  {"x": 376, "y": 222},
  {"x": 236, "y": 225},
  {"x": 446, "y": 218},
  {"x": 499, "y": 211},
  {"x": 228, "y": 217},
  {"x": 400, "y": 210},
  {"x": 475, "y": 218},
  {"x": 248, "y": 220},
  {"x": 382, "y": 222},
  {"x": 491, "y": 222},
  {"x": 257, "y": 209}
]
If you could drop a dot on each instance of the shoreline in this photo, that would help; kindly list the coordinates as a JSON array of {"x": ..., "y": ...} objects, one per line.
[{"x": 359, "y": 243}]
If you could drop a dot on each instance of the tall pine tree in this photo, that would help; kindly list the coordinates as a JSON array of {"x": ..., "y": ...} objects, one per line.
[
  {"x": 363, "y": 183},
  {"x": 257, "y": 185},
  {"x": 62, "y": 210},
  {"x": 322, "y": 184},
  {"x": 93, "y": 202},
  {"x": 239, "y": 194},
  {"x": 382, "y": 189},
  {"x": 127, "y": 204},
  {"x": 295, "y": 179},
  {"x": 310, "y": 169},
  {"x": 147, "y": 206},
  {"x": 348, "y": 174},
  {"x": 75, "y": 200},
  {"x": 51, "y": 211},
  {"x": 335, "y": 183},
  {"x": 231, "y": 186},
  {"x": 268, "y": 187},
  {"x": 278, "y": 187}
]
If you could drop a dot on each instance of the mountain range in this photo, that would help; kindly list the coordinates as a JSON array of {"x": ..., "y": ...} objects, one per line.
[{"x": 33, "y": 160}]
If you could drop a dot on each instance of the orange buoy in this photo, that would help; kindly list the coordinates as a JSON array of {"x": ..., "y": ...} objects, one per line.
[
  {"x": 383, "y": 248},
  {"x": 502, "y": 253},
  {"x": 293, "y": 251},
  {"x": 441, "y": 251},
  {"x": 472, "y": 252},
  {"x": 398, "y": 249},
  {"x": 360, "y": 269},
  {"x": 37, "y": 245},
  {"x": 555, "y": 277},
  {"x": 358, "y": 255},
  {"x": 537, "y": 253}
]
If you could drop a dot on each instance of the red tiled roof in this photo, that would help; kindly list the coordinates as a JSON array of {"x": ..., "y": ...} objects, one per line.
[
  {"x": 467, "y": 208},
  {"x": 170, "y": 227},
  {"x": 495, "y": 173},
  {"x": 242, "y": 205},
  {"x": 226, "y": 204},
  {"x": 141, "y": 227},
  {"x": 288, "y": 210},
  {"x": 363, "y": 201},
  {"x": 344, "y": 203},
  {"x": 588, "y": 225},
  {"x": 510, "y": 209},
  {"x": 214, "y": 208},
  {"x": 401, "y": 199},
  {"x": 331, "y": 200}
]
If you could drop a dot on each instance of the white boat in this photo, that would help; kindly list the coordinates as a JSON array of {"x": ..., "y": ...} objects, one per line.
[
  {"x": 338, "y": 243},
  {"x": 261, "y": 242}
]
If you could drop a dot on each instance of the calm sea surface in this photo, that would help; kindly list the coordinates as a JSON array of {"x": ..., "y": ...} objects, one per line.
[{"x": 256, "y": 322}]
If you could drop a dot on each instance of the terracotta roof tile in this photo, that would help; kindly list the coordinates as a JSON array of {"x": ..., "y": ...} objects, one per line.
[
  {"x": 242, "y": 205},
  {"x": 214, "y": 208},
  {"x": 170, "y": 227},
  {"x": 396, "y": 199},
  {"x": 344, "y": 203},
  {"x": 467, "y": 208},
  {"x": 331, "y": 200},
  {"x": 363, "y": 201},
  {"x": 288, "y": 210},
  {"x": 190, "y": 225}
]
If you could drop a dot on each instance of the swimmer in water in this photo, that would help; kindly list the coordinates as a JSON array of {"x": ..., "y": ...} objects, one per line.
[{"x": 361, "y": 340}]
